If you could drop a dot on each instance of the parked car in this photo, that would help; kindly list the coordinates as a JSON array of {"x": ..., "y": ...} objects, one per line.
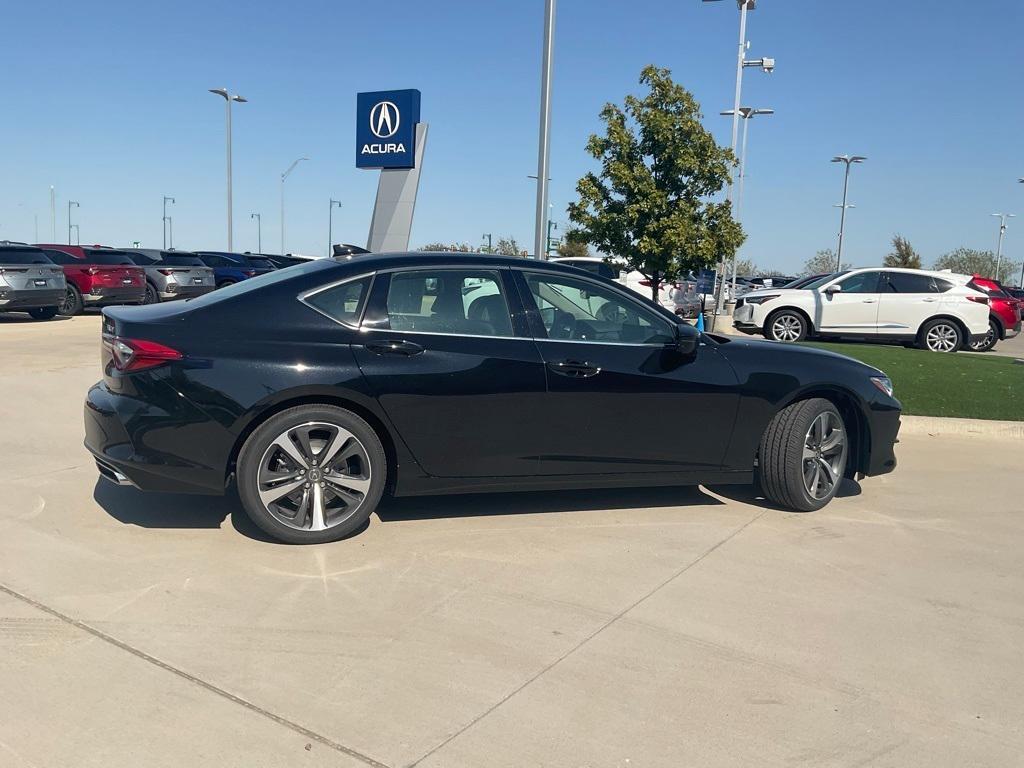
[
  {"x": 172, "y": 274},
  {"x": 938, "y": 311},
  {"x": 282, "y": 261},
  {"x": 230, "y": 268},
  {"x": 420, "y": 373},
  {"x": 96, "y": 277},
  {"x": 29, "y": 281},
  {"x": 1004, "y": 313}
]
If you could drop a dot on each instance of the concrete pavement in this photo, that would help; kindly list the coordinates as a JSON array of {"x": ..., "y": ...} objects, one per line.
[{"x": 665, "y": 627}]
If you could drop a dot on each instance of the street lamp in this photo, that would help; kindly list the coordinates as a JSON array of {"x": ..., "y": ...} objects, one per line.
[
  {"x": 768, "y": 66},
  {"x": 70, "y": 203},
  {"x": 544, "y": 140},
  {"x": 490, "y": 242},
  {"x": 848, "y": 160},
  {"x": 746, "y": 113},
  {"x": 330, "y": 223},
  {"x": 228, "y": 98},
  {"x": 284, "y": 176},
  {"x": 259, "y": 231},
  {"x": 78, "y": 234},
  {"x": 1002, "y": 233},
  {"x": 174, "y": 202}
]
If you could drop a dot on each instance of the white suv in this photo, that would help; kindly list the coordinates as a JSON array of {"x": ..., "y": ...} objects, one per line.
[{"x": 936, "y": 310}]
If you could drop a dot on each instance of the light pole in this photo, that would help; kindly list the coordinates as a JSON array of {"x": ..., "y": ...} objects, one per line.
[
  {"x": 53, "y": 214},
  {"x": 71, "y": 203},
  {"x": 259, "y": 231},
  {"x": 78, "y": 235},
  {"x": 173, "y": 202},
  {"x": 544, "y": 139},
  {"x": 848, "y": 160},
  {"x": 284, "y": 176},
  {"x": 1019, "y": 181},
  {"x": 746, "y": 113},
  {"x": 228, "y": 98},
  {"x": 490, "y": 242},
  {"x": 1002, "y": 233},
  {"x": 768, "y": 66},
  {"x": 330, "y": 223}
]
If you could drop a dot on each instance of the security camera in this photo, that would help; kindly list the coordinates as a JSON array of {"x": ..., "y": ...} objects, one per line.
[{"x": 768, "y": 65}]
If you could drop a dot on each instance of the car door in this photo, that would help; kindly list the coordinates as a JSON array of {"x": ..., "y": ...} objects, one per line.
[
  {"x": 620, "y": 397},
  {"x": 448, "y": 354},
  {"x": 907, "y": 300},
  {"x": 854, "y": 309}
]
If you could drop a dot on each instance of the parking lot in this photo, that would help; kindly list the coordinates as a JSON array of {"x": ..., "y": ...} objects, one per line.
[{"x": 593, "y": 628}]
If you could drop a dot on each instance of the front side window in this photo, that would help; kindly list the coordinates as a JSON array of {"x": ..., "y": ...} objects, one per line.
[
  {"x": 467, "y": 302},
  {"x": 862, "y": 282},
  {"x": 908, "y": 282},
  {"x": 344, "y": 302},
  {"x": 579, "y": 310}
]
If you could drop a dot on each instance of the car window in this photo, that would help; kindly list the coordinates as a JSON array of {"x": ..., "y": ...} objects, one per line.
[
  {"x": 215, "y": 261},
  {"x": 23, "y": 256},
  {"x": 820, "y": 281},
  {"x": 111, "y": 258},
  {"x": 259, "y": 262},
  {"x": 585, "y": 311},
  {"x": 180, "y": 260},
  {"x": 141, "y": 259},
  {"x": 59, "y": 257},
  {"x": 907, "y": 282},
  {"x": 941, "y": 286},
  {"x": 862, "y": 282},
  {"x": 343, "y": 302},
  {"x": 453, "y": 301}
]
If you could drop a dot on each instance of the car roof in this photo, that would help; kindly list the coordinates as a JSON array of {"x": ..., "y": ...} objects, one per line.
[{"x": 435, "y": 258}]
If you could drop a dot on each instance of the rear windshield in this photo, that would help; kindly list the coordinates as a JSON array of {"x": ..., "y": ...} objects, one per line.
[
  {"x": 141, "y": 259},
  {"x": 260, "y": 262},
  {"x": 106, "y": 257},
  {"x": 261, "y": 281},
  {"x": 180, "y": 260},
  {"x": 26, "y": 256}
]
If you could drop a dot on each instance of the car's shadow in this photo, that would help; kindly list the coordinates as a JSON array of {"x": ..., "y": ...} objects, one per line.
[
  {"x": 751, "y": 494},
  {"x": 175, "y": 510}
]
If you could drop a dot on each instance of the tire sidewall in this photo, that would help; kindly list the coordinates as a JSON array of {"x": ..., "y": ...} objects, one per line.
[
  {"x": 73, "y": 302},
  {"x": 774, "y": 316},
  {"x": 252, "y": 452},
  {"x": 923, "y": 336}
]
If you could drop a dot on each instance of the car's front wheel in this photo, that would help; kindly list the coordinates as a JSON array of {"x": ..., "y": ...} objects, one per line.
[
  {"x": 989, "y": 341},
  {"x": 786, "y": 325},
  {"x": 940, "y": 335},
  {"x": 803, "y": 454},
  {"x": 311, "y": 474}
]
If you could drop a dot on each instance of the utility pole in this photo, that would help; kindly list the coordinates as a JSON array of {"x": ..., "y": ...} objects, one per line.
[
  {"x": 53, "y": 215},
  {"x": 259, "y": 231},
  {"x": 1002, "y": 233},
  {"x": 173, "y": 202},
  {"x": 842, "y": 216},
  {"x": 330, "y": 224},
  {"x": 547, "y": 250},
  {"x": 544, "y": 139},
  {"x": 490, "y": 247},
  {"x": 71, "y": 203}
]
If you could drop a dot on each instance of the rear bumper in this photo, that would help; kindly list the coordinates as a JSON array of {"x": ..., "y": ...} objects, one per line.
[
  {"x": 100, "y": 296},
  {"x": 179, "y": 291},
  {"x": 30, "y": 298},
  {"x": 1012, "y": 331}
]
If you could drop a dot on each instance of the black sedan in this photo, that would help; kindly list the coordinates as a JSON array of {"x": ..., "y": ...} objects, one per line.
[{"x": 319, "y": 388}]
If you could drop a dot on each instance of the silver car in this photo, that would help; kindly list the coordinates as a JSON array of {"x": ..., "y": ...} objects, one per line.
[
  {"x": 29, "y": 281},
  {"x": 172, "y": 274}
]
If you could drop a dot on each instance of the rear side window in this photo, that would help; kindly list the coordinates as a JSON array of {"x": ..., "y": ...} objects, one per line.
[
  {"x": 344, "y": 302},
  {"x": 215, "y": 261},
  {"x": 466, "y": 302},
  {"x": 259, "y": 262},
  {"x": 23, "y": 256},
  {"x": 908, "y": 282},
  {"x": 941, "y": 286}
]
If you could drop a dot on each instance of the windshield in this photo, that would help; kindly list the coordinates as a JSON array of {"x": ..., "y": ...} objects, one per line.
[
  {"x": 826, "y": 279},
  {"x": 261, "y": 281},
  {"x": 26, "y": 256}
]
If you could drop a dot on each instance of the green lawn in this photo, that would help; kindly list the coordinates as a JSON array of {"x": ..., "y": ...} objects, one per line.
[{"x": 965, "y": 385}]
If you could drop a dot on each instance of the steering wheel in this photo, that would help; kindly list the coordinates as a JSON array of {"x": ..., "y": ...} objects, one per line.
[{"x": 610, "y": 312}]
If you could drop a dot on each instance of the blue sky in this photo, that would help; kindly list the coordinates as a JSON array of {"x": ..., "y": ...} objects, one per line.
[{"x": 108, "y": 102}]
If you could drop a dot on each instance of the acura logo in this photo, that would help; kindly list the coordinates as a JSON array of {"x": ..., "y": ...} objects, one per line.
[{"x": 384, "y": 119}]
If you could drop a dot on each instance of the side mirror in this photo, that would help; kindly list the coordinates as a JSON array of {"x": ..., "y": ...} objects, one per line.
[
  {"x": 834, "y": 289},
  {"x": 687, "y": 339}
]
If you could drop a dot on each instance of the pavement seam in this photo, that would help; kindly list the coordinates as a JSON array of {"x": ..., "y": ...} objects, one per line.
[
  {"x": 99, "y": 634},
  {"x": 544, "y": 670}
]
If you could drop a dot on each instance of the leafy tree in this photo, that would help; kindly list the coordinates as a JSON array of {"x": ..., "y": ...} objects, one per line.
[
  {"x": 903, "y": 254},
  {"x": 507, "y": 246},
  {"x": 967, "y": 261},
  {"x": 746, "y": 268},
  {"x": 573, "y": 245},
  {"x": 651, "y": 202},
  {"x": 821, "y": 262}
]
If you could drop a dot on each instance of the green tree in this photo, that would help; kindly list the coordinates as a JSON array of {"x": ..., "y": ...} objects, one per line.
[
  {"x": 822, "y": 262},
  {"x": 746, "y": 268},
  {"x": 903, "y": 254},
  {"x": 573, "y": 245},
  {"x": 967, "y": 261},
  {"x": 507, "y": 246},
  {"x": 651, "y": 202}
]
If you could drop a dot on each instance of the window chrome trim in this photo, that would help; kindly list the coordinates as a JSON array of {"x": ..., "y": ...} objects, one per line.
[
  {"x": 302, "y": 297},
  {"x": 364, "y": 329}
]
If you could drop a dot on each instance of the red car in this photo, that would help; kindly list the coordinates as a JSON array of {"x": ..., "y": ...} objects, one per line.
[
  {"x": 96, "y": 277},
  {"x": 1004, "y": 318}
]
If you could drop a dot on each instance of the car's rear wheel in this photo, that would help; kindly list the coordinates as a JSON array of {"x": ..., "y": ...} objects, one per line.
[
  {"x": 311, "y": 474},
  {"x": 71, "y": 304},
  {"x": 803, "y": 454},
  {"x": 786, "y": 325},
  {"x": 940, "y": 335},
  {"x": 151, "y": 297},
  {"x": 990, "y": 340},
  {"x": 43, "y": 313},
  {"x": 226, "y": 283}
]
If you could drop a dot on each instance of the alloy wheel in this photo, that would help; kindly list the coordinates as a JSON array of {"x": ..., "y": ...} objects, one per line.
[
  {"x": 824, "y": 455},
  {"x": 787, "y": 328},
  {"x": 942, "y": 337},
  {"x": 67, "y": 302},
  {"x": 987, "y": 342},
  {"x": 314, "y": 476}
]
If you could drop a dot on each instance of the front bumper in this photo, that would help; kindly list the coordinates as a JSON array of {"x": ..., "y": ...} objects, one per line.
[
  {"x": 885, "y": 429},
  {"x": 103, "y": 295},
  {"x": 11, "y": 298}
]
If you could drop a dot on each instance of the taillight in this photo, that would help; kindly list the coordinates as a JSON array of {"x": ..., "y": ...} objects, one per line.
[
  {"x": 250, "y": 273},
  {"x": 138, "y": 354},
  {"x": 166, "y": 271},
  {"x": 978, "y": 299}
]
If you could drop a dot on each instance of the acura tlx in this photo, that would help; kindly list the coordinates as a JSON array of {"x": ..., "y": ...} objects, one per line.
[{"x": 316, "y": 389}]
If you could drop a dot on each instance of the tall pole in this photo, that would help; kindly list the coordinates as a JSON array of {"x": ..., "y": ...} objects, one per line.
[
  {"x": 842, "y": 219},
  {"x": 53, "y": 215},
  {"x": 1002, "y": 233},
  {"x": 739, "y": 192},
  {"x": 259, "y": 231},
  {"x": 71, "y": 203},
  {"x": 284, "y": 176},
  {"x": 166, "y": 198},
  {"x": 170, "y": 229},
  {"x": 330, "y": 224},
  {"x": 544, "y": 140},
  {"x": 490, "y": 247},
  {"x": 228, "y": 98}
]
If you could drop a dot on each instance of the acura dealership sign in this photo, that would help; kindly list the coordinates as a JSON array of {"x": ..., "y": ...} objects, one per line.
[{"x": 386, "y": 128}]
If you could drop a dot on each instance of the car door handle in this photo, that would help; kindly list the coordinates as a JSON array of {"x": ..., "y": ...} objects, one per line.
[
  {"x": 868, "y": 301},
  {"x": 929, "y": 300},
  {"x": 575, "y": 369},
  {"x": 395, "y": 347}
]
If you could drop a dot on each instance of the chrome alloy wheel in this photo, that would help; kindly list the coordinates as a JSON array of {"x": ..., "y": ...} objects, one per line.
[
  {"x": 787, "y": 328},
  {"x": 314, "y": 476},
  {"x": 942, "y": 337},
  {"x": 824, "y": 455}
]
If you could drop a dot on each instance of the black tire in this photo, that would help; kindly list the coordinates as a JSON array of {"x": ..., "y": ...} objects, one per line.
[
  {"x": 940, "y": 335},
  {"x": 151, "y": 297},
  {"x": 990, "y": 340},
  {"x": 43, "y": 313},
  {"x": 783, "y": 468},
  {"x": 786, "y": 325},
  {"x": 368, "y": 467},
  {"x": 72, "y": 304}
]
